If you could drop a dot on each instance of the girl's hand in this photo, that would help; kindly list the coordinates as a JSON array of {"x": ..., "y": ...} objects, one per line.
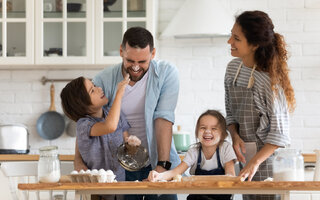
[
  {"x": 122, "y": 85},
  {"x": 154, "y": 176},
  {"x": 249, "y": 170},
  {"x": 239, "y": 147}
]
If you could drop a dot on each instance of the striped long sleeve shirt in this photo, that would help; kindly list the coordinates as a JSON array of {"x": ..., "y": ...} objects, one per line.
[{"x": 273, "y": 125}]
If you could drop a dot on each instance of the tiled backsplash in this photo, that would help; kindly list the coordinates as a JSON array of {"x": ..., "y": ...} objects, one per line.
[{"x": 201, "y": 64}]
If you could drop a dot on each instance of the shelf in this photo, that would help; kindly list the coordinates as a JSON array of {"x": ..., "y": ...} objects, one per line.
[
  {"x": 80, "y": 14},
  {"x": 16, "y": 14},
  {"x": 114, "y": 14}
]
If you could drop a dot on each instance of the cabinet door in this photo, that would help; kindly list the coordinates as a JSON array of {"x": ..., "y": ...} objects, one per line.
[
  {"x": 113, "y": 18},
  {"x": 64, "y": 32},
  {"x": 16, "y": 32}
]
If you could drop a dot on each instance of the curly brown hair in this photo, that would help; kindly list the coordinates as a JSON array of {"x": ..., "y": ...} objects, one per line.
[{"x": 271, "y": 55}]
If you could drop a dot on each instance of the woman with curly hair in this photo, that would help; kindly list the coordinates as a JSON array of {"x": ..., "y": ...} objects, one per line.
[{"x": 258, "y": 95}]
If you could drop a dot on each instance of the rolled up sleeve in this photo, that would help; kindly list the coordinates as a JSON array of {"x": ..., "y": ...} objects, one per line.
[{"x": 169, "y": 92}]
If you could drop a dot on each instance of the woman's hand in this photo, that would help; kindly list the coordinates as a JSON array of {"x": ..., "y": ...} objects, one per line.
[
  {"x": 239, "y": 147},
  {"x": 249, "y": 170},
  {"x": 154, "y": 176}
]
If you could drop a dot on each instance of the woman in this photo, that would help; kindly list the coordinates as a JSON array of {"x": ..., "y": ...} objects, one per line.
[{"x": 259, "y": 95}]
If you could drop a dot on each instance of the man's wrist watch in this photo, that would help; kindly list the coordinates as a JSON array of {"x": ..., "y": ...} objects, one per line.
[{"x": 164, "y": 164}]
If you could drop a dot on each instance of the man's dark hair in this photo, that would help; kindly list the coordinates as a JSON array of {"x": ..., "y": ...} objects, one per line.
[
  {"x": 137, "y": 37},
  {"x": 75, "y": 99}
]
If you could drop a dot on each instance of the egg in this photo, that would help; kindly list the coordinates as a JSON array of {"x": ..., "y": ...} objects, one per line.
[{"x": 94, "y": 172}]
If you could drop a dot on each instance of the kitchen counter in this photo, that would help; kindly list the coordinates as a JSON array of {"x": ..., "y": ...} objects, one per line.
[
  {"x": 30, "y": 157},
  {"x": 308, "y": 158},
  {"x": 184, "y": 187}
]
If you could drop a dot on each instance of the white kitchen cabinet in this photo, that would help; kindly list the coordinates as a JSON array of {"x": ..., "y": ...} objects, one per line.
[
  {"x": 113, "y": 20},
  {"x": 17, "y": 32},
  {"x": 64, "y": 32},
  {"x": 47, "y": 32}
]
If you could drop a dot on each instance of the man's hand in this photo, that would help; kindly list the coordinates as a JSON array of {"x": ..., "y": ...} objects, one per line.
[
  {"x": 160, "y": 169},
  {"x": 154, "y": 176}
]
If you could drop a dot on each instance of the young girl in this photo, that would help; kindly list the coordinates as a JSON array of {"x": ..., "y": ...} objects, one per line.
[
  {"x": 210, "y": 156},
  {"x": 258, "y": 95},
  {"x": 99, "y": 130}
]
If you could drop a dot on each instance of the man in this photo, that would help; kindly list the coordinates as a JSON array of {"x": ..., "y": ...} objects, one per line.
[{"x": 149, "y": 100}]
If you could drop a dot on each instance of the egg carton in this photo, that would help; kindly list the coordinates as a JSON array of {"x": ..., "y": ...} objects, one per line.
[
  {"x": 85, "y": 178},
  {"x": 90, "y": 178}
]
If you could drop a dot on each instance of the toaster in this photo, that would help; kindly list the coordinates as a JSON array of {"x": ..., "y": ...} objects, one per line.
[{"x": 14, "y": 139}]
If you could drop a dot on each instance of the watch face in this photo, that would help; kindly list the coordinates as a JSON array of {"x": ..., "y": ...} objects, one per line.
[{"x": 164, "y": 164}]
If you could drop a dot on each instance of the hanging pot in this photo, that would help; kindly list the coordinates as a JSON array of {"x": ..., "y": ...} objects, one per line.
[{"x": 71, "y": 128}]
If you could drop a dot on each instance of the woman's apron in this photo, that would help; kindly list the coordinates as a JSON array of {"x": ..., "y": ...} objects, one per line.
[
  {"x": 247, "y": 115},
  {"x": 218, "y": 171}
]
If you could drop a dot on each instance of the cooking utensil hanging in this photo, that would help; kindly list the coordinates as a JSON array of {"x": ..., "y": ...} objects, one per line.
[
  {"x": 71, "y": 129},
  {"x": 51, "y": 124}
]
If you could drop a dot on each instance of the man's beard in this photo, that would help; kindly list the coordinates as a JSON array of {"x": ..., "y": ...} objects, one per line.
[{"x": 134, "y": 79}]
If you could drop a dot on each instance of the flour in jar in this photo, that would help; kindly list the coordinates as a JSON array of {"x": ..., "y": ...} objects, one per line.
[
  {"x": 52, "y": 177},
  {"x": 289, "y": 175}
]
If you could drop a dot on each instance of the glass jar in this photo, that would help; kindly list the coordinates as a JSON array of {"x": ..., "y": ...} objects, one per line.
[
  {"x": 48, "y": 165},
  {"x": 288, "y": 165}
]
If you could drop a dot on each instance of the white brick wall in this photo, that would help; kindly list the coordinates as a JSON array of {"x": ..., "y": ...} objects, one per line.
[
  {"x": 201, "y": 64},
  {"x": 202, "y": 73}
]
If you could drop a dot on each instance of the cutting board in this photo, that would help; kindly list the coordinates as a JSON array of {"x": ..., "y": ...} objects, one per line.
[{"x": 212, "y": 178}]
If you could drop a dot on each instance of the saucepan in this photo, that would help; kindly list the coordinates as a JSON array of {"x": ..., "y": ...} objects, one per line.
[
  {"x": 51, "y": 124},
  {"x": 71, "y": 129},
  {"x": 181, "y": 140}
]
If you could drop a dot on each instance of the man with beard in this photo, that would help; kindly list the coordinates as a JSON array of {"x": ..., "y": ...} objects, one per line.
[{"x": 148, "y": 103}]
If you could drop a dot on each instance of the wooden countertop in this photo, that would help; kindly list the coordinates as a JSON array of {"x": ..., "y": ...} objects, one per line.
[
  {"x": 30, "y": 157},
  {"x": 308, "y": 158},
  {"x": 177, "y": 187}
]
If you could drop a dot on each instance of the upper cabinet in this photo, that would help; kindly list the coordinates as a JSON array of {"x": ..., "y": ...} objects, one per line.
[
  {"x": 64, "y": 32},
  {"x": 16, "y": 32},
  {"x": 113, "y": 18},
  {"x": 76, "y": 32}
]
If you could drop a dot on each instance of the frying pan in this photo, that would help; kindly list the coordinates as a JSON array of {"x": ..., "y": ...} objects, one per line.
[{"x": 51, "y": 124}]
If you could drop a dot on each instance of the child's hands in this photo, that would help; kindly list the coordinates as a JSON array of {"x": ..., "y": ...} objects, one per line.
[
  {"x": 154, "y": 176},
  {"x": 122, "y": 85}
]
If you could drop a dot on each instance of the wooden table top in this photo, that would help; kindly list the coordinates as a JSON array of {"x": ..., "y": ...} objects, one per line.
[
  {"x": 178, "y": 186},
  {"x": 308, "y": 158},
  {"x": 30, "y": 157}
]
